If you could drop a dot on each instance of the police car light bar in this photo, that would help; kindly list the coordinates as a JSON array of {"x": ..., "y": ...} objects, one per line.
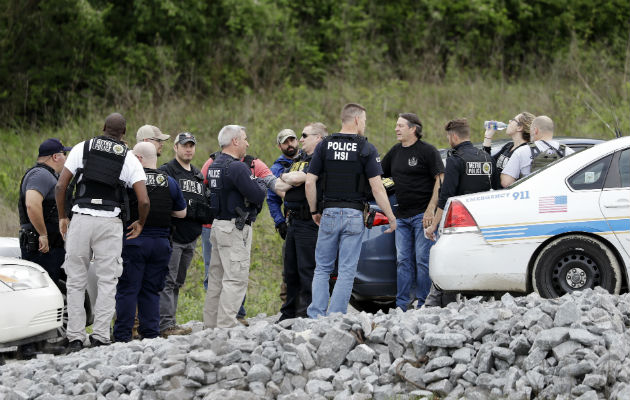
[{"x": 458, "y": 216}]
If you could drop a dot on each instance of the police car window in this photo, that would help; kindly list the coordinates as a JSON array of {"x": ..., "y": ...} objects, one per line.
[
  {"x": 592, "y": 176},
  {"x": 624, "y": 168}
]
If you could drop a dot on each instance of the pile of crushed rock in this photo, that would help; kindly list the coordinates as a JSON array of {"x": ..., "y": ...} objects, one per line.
[{"x": 517, "y": 348}]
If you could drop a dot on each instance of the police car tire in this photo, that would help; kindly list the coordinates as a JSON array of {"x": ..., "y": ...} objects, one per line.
[{"x": 591, "y": 253}]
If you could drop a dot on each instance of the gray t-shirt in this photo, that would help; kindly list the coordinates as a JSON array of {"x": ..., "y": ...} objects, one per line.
[{"x": 41, "y": 180}]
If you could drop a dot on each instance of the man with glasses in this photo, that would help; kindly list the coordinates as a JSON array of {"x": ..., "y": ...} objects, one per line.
[
  {"x": 185, "y": 230},
  {"x": 40, "y": 240},
  {"x": 301, "y": 239},
  {"x": 152, "y": 134}
]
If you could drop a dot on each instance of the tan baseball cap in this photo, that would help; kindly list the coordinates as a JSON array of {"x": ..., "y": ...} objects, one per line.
[
  {"x": 284, "y": 135},
  {"x": 150, "y": 132}
]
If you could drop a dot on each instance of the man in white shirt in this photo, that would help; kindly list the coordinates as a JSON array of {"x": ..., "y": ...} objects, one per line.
[
  {"x": 520, "y": 164},
  {"x": 103, "y": 165}
]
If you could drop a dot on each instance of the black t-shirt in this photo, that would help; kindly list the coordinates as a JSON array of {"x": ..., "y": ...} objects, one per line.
[{"x": 413, "y": 170}]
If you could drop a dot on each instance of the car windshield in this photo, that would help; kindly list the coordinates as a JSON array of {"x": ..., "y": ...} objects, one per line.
[{"x": 559, "y": 160}]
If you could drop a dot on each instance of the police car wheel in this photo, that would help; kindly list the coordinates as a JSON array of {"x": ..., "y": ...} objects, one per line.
[{"x": 575, "y": 262}]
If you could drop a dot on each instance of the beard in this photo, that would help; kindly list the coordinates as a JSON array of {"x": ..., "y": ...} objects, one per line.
[{"x": 290, "y": 151}]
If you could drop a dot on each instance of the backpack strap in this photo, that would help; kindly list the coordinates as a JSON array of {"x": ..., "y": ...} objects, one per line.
[{"x": 561, "y": 154}]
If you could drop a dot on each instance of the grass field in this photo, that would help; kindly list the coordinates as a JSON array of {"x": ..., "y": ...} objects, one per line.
[{"x": 577, "y": 106}]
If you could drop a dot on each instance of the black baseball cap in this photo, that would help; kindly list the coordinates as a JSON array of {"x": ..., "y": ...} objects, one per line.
[
  {"x": 185, "y": 137},
  {"x": 52, "y": 146}
]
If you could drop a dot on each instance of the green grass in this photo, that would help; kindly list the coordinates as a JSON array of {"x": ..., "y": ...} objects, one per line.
[{"x": 565, "y": 99}]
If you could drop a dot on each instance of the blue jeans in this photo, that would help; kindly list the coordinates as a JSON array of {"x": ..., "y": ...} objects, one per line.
[
  {"x": 206, "y": 248},
  {"x": 412, "y": 255},
  {"x": 340, "y": 231}
]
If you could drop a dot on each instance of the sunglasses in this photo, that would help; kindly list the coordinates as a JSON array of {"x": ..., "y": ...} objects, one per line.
[
  {"x": 157, "y": 140},
  {"x": 305, "y": 135}
]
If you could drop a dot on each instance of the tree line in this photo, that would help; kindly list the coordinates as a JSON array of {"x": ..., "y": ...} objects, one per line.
[{"x": 62, "y": 55}]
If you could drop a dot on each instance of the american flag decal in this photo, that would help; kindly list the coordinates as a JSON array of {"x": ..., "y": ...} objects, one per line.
[{"x": 551, "y": 204}]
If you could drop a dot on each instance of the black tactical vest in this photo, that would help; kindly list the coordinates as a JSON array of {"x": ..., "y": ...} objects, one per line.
[
  {"x": 345, "y": 183},
  {"x": 191, "y": 184},
  {"x": 295, "y": 198},
  {"x": 478, "y": 168},
  {"x": 218, "y": 196},
  {"x": 49, "y": 205},
  {"x": 100, "y": 187},
  {"x": 159, "y": 197}
]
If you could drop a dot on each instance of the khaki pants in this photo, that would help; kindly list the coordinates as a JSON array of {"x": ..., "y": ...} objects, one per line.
[
  {"x": 228, "y": 273},
  {"x": 99, "y": 238}
]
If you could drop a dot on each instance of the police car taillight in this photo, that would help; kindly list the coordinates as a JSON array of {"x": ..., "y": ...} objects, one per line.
[
  {"x": 458, "y": 216},
  {"x": 380, "y": 219}
]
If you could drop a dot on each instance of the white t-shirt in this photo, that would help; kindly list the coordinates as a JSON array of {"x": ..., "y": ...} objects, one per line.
[
  {"x": 131, "y": 173},
  {"x": 520, "y": 163}
]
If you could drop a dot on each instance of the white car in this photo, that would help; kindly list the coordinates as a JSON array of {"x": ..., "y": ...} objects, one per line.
[
  {"x": 32, "y": 305},
  {"x": 561, "y": 229}
]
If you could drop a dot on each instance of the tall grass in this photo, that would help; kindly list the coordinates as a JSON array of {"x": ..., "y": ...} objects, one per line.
[{"x": 578, "y": 103}]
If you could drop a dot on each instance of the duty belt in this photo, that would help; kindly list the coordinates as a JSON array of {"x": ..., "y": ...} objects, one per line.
[
  {"x": 247, "y": 221},
  {"x": 302, "y": 214}
]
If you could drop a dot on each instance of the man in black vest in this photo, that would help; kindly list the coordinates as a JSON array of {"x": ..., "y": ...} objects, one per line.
[
  {"x": 349, "y": 166},
  {"x": 104, "y": 169},
  {"x": 235, "y": 198},
  {"x": 40, "y": 240},
  {"x": 468, "y": 170},
  {"x": 301, "y": 237},
  {"x": 146, "y": 257},
  {"x": 185, "y": 231}
]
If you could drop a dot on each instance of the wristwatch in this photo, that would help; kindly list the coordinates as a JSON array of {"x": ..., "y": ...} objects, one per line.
[{"x": 314, "y": 212}]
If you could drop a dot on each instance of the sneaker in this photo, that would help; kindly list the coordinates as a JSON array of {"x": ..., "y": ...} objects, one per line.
[
  {"x": 96, "y": 343},
  {"x": 175, "y": 330},
  {"x": 242, "y": 320},
  {"x": 73, "y": 346}
]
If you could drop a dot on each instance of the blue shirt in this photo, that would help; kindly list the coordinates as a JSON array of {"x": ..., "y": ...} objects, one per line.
[{"x": 273, "y": 200}]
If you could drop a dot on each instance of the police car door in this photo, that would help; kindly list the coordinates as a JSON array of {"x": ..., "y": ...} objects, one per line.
[{"x": 614, "y": 201}]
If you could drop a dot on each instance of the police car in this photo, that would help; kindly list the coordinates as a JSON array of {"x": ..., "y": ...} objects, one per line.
[{"x": 563, "y": 228}]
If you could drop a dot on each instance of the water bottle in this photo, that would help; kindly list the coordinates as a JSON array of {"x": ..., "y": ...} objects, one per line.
[{"x": 496, "y": 125}]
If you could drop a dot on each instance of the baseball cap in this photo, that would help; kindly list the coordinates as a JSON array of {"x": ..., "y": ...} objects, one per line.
[
  {"x": 185, "y": 137},
  {"x": 285, "y": 134},
  {"x": 52, "y": 146},
  {"x": 150, "y": 132}
]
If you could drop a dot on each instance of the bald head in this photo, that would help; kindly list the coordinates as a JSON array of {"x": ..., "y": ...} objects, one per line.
[
  {"x": 542, "y": 128},
  {"x": 146, "y": 153},
  {"x": 115, "y": 125}
]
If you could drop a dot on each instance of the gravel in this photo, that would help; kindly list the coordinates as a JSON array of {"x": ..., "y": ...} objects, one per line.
[{"x": 574, "y": 347}]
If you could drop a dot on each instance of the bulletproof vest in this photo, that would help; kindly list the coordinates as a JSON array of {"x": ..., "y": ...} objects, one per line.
[
  {"x": 478, "y": 168},
  {"x": 295, "y": 198},
  {"x": 504, "y": 157},
  {"x": 99, "y": 186},
  {"x": 345, "y": 182},
  {"x": 218, "y": 194},
  {"x": 191, "y": 184},
  {"x": 49, "y": 205},
  {"x": 159, "y": 197},
  {"x": 541, "y": 159}
]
